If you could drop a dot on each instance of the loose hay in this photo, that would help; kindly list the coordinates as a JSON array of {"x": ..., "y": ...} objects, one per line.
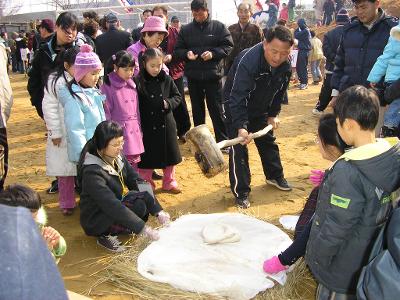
[{"x": 120, "y": 271}]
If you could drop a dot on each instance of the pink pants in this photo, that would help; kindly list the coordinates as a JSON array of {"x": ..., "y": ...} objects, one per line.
[
  {"x": 168, "y": 181},
  {"x": 66, "y": 191}
]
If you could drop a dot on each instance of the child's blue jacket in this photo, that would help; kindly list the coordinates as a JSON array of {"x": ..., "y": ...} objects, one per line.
[
  {"x": 388, "y": 64},
  {"x": 82, "y": 114}
]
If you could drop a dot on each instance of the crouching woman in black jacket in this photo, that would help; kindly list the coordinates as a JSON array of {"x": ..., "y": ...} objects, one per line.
[{"x": 111, "y": 202}]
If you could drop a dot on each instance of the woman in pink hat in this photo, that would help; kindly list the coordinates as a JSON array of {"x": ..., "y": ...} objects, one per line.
[{"x": 152, "y": 34}]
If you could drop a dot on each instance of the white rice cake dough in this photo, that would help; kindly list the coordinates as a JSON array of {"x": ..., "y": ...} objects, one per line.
[
  {"x": 218, "y": 233},
  {"x": 234, "y": 270}
]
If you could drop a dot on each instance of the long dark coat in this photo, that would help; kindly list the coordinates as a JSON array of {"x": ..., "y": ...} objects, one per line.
[{"x": 158, "y": 125}]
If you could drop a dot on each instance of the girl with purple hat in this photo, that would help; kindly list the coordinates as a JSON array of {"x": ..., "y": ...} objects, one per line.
[
  {"x": 82, "y": 102},
  {"x": 152, "y": 34}
]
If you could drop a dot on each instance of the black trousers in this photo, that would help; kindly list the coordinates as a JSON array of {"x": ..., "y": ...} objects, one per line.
[
  {"x": 4, "y": 143},
  {"x": 211, "y": 90},
  {"x": 141, "y": 204},
  {"x": 325, "y": 94},
  {"x": 181, "y": 114},
  {"x": 301, "y": 66},
  {"x": 239, "y": 171}
]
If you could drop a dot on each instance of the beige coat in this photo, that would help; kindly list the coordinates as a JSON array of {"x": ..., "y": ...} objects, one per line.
[
  {"x": 6, "y": 97},
  {"x": 316, "y": 49}
]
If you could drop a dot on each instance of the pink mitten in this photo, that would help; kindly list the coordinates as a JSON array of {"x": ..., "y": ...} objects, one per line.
[
  {"x": 150, "y": 233},
  {"x": 163, "y": 218},
  {"x": 316, "y": 177},
  {"x": 273, "y": 265}
]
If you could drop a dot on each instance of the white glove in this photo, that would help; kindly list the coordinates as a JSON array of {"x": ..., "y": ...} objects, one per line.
[
  {"x": 164, "y": 218},
  {"x": 150, "y": 233}
]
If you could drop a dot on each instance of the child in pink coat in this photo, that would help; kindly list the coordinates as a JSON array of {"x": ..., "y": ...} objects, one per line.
[{"x": 122, "y": 104}]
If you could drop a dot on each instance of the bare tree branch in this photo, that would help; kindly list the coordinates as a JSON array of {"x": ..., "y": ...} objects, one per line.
[
  {"x": 6, "y": 7},
  {"x": 68, "y": 4}
]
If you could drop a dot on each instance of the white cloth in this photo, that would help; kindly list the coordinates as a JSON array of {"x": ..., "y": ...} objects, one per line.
[
  {"x": 234, "y": 270},
  {"x": 289, "y": 222},
  {"x": 57, "y": 162}
]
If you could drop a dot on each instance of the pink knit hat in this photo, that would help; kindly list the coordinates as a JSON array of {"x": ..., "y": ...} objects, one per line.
[
  {"x": 154, "y": 24},
  {"x": 86, "y": 61}
]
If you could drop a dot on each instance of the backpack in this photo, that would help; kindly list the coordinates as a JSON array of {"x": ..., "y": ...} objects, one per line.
[{"x": 380, "y": 278}]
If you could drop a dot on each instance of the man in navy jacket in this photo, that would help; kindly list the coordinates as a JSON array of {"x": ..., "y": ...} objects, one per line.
[
  {"x": 253, "y": 94},
  {"x": 362, "y": 43}
]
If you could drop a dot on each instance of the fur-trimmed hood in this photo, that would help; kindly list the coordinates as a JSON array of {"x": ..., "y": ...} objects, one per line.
[{"x": 395, "y": 33}]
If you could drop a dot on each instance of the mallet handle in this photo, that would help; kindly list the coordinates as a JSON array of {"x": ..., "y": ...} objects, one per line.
[{"x": 238, "y": 140}]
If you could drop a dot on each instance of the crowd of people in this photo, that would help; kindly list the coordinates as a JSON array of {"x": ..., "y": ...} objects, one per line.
[{"x": 114, "y": 107}]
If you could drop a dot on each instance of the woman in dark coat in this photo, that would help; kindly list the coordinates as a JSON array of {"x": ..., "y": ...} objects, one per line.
[
  {"x": 111, "y": 202},
  {"x": 158, "y": 97}
]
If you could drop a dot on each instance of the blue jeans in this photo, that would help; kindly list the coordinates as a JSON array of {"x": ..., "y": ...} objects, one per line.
[
  {"x": 392, "y": 115},
  {"x": 315, "y": 70},
  {"x": 21, "y": 67}
]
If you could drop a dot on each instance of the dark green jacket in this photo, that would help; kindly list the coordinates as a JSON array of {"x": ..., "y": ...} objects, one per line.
[{"x": 353, "y": 204}]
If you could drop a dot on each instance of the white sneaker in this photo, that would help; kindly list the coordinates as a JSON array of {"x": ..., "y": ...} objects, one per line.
[{"x": 317, "y": 112}]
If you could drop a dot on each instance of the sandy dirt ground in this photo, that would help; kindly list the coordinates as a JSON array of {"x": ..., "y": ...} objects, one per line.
[{"x": 299, "y": 154}]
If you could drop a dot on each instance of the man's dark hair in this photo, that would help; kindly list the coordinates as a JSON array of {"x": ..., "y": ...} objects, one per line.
[
  {"x": 281, "y": 33},
  {"x": 158, "y": 7},
  {"x": 147, "y": 11},
  {"x": 359, "y": 104},
  {"x": 245, "y": 4},
  {"x": 2, "y": 34},
  {"x": 312, "y": 32},
  {"x": 67, "y": 20},
  {"x": 20, "y": 195},
  {"x": 91, "y": 14}
]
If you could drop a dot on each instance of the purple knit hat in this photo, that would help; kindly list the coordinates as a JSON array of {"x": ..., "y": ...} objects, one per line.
[
  {"x": 86, "y": 61},
  {"x": 154, "y": 24}
]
